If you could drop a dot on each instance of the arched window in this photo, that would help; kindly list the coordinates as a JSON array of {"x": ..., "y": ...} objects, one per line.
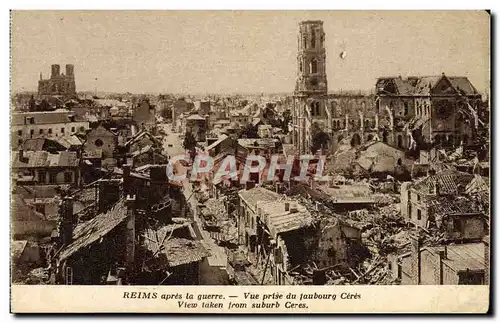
[
  {"x": 406, "y": 108},
  {"x": 367, "y": 123},
  {"x": 304, "y": 42},
  {"x": 313, "y": 66},
  {"x": 313, "y": 39},
  {"x": 300, "y": 65}
]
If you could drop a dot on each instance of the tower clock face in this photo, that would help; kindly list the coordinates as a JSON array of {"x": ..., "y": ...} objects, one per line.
[
  {"x": 444, "y": 109},
  {"x": 314, "y": 82}
]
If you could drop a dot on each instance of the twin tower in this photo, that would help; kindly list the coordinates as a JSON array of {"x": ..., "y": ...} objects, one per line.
[{"x": 59, "y": 83}]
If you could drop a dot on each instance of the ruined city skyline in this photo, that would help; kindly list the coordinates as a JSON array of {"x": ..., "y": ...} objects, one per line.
[{"x": 209, "y": 53}]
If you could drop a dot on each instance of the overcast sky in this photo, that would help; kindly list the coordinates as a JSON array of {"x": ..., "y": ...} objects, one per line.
[{"x": 252, "y": 51}]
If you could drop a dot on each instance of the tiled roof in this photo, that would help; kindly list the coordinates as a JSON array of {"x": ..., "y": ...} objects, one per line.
[
  {"x": 17, "y": 249},
  {"x": 88, "y": 232},
  {"x": 40, "y": 191},
  {"x": 478, "y": 184},
  {"x": 257, "y": 194},
  {"x": 45, "y": 117},
  {"x": 456, "y": 205},
  {"x": 462, "y": 84},
  {"x": 108, "y": 103},
  {"x": 33, "y": 144},
  {"x": 141, "y": 134},
  {"x": 447, "y": 182},
  {"x": 423, "y": 85},
  {"x": 348, "y": 193},
  {"x": 167, "y": 250},
  {"x": 278, "y": 220},
  {"x": 68, "y": 141},
  {"x": 183, "y": 251},
  {"x": 461, "y": 257},
  {"x": 86, "y": 195},
  {"x": 45, "y": 159}
]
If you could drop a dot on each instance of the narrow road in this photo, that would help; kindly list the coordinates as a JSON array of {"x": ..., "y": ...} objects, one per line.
[{"x": 172, "y": 144}]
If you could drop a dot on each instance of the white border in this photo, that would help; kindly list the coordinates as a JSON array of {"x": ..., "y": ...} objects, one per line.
[{"x": 186, "y": 4}]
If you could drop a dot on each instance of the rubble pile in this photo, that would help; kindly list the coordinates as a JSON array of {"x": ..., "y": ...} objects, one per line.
[
  {"x": 36, "y": 276},
  {"x": 214, "y": 211},
  {"x": 383, "y": 231}
]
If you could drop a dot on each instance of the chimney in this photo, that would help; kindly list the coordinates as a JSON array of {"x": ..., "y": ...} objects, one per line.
[
  {"x": 130, "y": 234},
  {"x": 66, "y": 228},
  {"x": 127, "y": 188},
  {"x": 249, "y": 185},
  {"x": 443, "y": 254},
  {"x": 287, "y": 206},
  {"x": 415, "y": 244}
]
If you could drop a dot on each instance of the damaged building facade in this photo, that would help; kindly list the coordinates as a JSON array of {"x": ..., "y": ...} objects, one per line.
[{"x": 403, "y": 112}]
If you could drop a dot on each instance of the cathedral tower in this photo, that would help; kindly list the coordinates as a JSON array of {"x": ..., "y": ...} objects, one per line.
[
  {"x": 311, "y": 59},
  {"x": 311, "y": 88}
]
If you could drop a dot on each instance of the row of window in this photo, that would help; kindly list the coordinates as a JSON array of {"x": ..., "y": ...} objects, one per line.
[
  {"x": 422, "y": 110},
  {"x": 48, "y": 131},
  {"x": 340, "y": 124},
  {"x": 42, "y": 175},
  {"x": 449, "y": 139}
]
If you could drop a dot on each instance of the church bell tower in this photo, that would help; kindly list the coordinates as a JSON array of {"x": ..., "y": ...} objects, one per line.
[
  {"x": 311, "y": 59},
  {"x": 311, "y": 87}
]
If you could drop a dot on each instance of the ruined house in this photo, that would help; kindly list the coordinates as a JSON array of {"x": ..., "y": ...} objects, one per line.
[
  {"x": 297, "y": 239},
  {"x": 44, "y": 168},
  {"x": 288, "y": 237},
  {"x": 454, "y": 264},
  {"x": 28, "y": 220},
  {"x": 172, "y": 255},
  {"x": 440, "y": 200},
  {"x": 93, "y": 250}
]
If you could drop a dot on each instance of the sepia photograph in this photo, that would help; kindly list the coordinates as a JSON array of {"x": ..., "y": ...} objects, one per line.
[{"x": 341, "y": 149}]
